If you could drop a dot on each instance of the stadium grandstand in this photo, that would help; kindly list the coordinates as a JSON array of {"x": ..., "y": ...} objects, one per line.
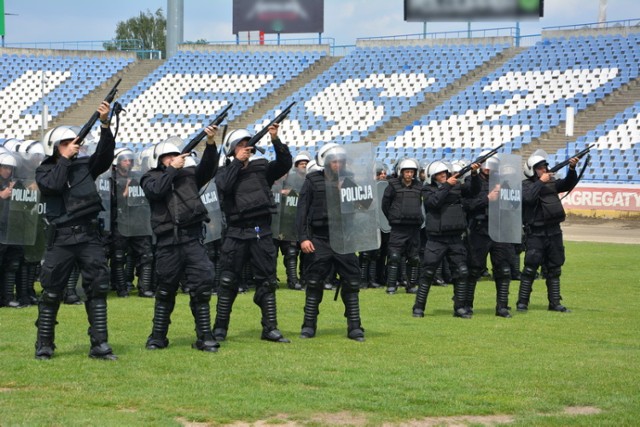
[{"x": 428, "y": 98}]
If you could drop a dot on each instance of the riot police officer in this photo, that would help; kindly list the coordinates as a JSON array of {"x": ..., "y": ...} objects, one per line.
[
  {"x": 244, "y": 186},
  {"x": 130, "y": 227},
  {"x": 481, "y": 245},
  {"x": 177, "y": 217},
  {"x": 67, "y": 183},
  {"x": 312, "y": 223},
  {"x": 445, "y": 224},
  {"x": 542, "y": 215},
  {"x": 402, "y": 205}
]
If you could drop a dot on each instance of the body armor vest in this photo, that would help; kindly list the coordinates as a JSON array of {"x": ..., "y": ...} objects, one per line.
[
  {"x": 318, "y": 214},
  {"x": 406, "y": 207},
  {"x": 182, "y": 207},
  {"x": 450, "y": 218},
  {"x": 252, "y": 196},
  {"x": 79, "y": 198},
  {"x": 549, "y": 208}
]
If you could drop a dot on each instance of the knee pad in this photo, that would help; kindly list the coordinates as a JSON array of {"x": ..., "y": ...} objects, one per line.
[
  {"x": 554, "y": 272},
  {"x": 313, "y": 283},
  {"x": 164, "y": 295},
  {"x": 13, "y": 265},
  {"x": 475, "y": 273},
  {"x": 119, "y": 256},
  {"x": 291, "y": 251},
  {"x": 146, "y": 258},
  {"x": 365, "y": 256},
  {"x": 350, "y": 286},
  {"x": 50, "y": 298},
  {"x": 395, "y": 258},
  {"x": 100, "y": 289},
  {"x": 502, "y": 271},
  {"x": 528, "y": 272},
  {"x": 200, "y": 294},
  {"x": 227, "y": 280},
  {"x": 462, "y": 272}
]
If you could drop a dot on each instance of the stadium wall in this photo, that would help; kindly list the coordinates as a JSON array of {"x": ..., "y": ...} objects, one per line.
[
  {"x": 66, "y": 52},
  {"x": 193, "y": 47},
  {"x": 501, "y": 40}
]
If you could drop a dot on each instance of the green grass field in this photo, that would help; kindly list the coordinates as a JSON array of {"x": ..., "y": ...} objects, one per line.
[{"x": 538, "y": 368}]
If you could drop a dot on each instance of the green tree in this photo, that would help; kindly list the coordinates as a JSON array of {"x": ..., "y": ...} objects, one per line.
[{"x": 148, "y": 27}]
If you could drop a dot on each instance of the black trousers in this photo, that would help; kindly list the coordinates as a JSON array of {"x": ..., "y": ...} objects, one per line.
[
  {"x": 318, "y": 263},
  {"x": 188, "y": 257}
]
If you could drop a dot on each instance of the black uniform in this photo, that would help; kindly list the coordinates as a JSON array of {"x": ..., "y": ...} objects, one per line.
[
  {"x": 481, "y": 245},
  {"x": 445, "y": 224},
  {"x": 312, "y": 223},
  {"x": 68, "y": 188},
  {"x": 542, "y": 215},
  {"x": 402, "y": 205},
  {"x": 248, "y": 204},
  {"x": 129, "y": 250},
  {"x": 177, "y": 216}
]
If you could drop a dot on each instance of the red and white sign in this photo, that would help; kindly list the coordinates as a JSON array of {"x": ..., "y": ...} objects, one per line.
[{"x": 610, "y": 197}]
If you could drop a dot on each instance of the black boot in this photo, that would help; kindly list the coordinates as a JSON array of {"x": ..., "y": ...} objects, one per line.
[
  {"x": 420, "y": 304},
  {"x": 163, "y": 308},
  {"x": 414, "y": 274},
  {"x": 226, "y": 297},
  {"x": 526, "y": 286},
  {"x": 470, "y": 295},
  {"x": 144, "y": 281},
  {"x": 46, "y": 324},
  {"x": 365, "y": 261},
  {"x": 8, "y": 283},
  {"x": 373, "y": 274},
  {"x": 293, "y": 282},
  {"x": 270, "y": 330},
  {"x": 355, "y": 331},
  {"x": 313, "y": 298},
  {"x": 502, "y": 296},
  {"x": 459, "y": 295},
  {"x": 97, "y": 314},
  {"x": 393, "y": 270},
  {"x": 129, "y": 272},
  {"x": 553, "y": 293},
  {"x": 202, "y": 316},
  {"x": 23, "y": 293},
  {"x": 118, "y": 278},
  {"x": 438, "y": 277}
]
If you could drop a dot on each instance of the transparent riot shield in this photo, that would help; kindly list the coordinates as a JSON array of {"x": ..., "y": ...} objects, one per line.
[
  {"x": 352, "y": 200},
  {"x": 209, "y": 197},
  {"x": 383, "y": 222},
  {"x": 35, "y": 252},
  {"x": 505, "y": 199},
  {"x": 103, "y": 184},
  {"x": 291, "y": 187},
  {"x": 19, "y": 200},
  {"x": 276, "y": 190},
  {"x": 133, "y": 211}
]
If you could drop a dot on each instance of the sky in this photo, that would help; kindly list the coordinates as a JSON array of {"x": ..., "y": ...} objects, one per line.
[{"x": 211, "y": 20}]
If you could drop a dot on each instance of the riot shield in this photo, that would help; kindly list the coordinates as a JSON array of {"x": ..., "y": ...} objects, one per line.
[
  {"x": 19, "y": 200},
  {"x": 133, "y": 212},
  {"x": 291, "y": 187},
  {"x": 35, "y": 252},
  {"x": 209, "y": 197},
  {"x": 505, "y": 199},
  {"x": 352, "y": 200},
  {"x": 276, "y": 190},
  {"x": 103, "y": 184},
  {"x": 383, "y": 222}
]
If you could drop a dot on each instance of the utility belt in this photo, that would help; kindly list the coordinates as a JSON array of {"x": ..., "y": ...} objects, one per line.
[{"x": 53, "y": 230}]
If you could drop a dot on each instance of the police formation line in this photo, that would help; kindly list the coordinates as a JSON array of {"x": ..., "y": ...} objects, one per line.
[{"x": 212, "y": 223}]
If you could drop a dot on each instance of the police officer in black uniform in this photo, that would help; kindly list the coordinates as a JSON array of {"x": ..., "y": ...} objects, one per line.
[
  {"x": 445, "y": 224},
  {"x": 244, "y": 186},
  {"x": 312, "y": 223},
  {"x": 481, "y": 245},
  {"x": 67, "y": 183},
  {"x": 177, "y": 217},
  {"x": 124, "y": 182},
  {"x": 402, "y": 205},
  {"x": 542, "y": 215}
]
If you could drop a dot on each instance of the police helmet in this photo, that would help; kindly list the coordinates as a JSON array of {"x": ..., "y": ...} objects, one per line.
[
  {"x": 233, "y": 139},
  {"x": 55, "y": 136},
  {"x": 122, "y": 154},
  {"x": 312, "y": 166},
  {"x": 13, "y": 144},
  {"x": 7, "y": 159},
  {"x": 330, "y": 152},
  {"x": 380, "y": 167},
  {"x": 407, "y": 164},
  {"x": 302, "y": 156},
  {"x": 191, "y": 160},
  {"x": 435, "y": 168},
  {"x": 539, "y": 156},
  {"x": 168, "y": 146}
]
